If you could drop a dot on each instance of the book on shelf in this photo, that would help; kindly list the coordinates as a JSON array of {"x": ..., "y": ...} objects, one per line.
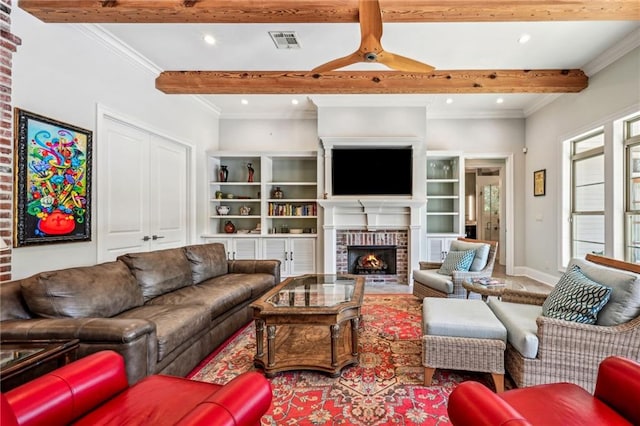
[
  {"x": 488, "y": 281},
  {"x": 288, "y": 209}
]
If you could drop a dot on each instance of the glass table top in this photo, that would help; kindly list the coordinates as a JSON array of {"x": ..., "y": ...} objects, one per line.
[
  {"x": 9, "y": 356},
  {"x": 315, "y": 291}
]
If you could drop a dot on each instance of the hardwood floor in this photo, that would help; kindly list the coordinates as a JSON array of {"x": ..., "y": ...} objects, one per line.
[{"x": 385, "y": 288}]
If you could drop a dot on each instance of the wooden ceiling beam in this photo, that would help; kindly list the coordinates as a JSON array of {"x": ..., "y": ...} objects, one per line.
[
  {"x": 371, "y": 82},
  {"x": 318, "y": 11}
]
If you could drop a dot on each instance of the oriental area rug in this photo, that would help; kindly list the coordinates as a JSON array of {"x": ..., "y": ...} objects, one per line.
[{"x": 386, "y": 388}]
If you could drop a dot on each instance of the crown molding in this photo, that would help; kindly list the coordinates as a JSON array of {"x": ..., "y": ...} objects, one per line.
[{"x": 617, "y": 51}]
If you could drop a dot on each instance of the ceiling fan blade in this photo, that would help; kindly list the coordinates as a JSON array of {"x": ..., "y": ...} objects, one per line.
[
  {"x": 401, "y": 63},
  {"x": 339, "y": 63},
  {"x": 370, "y": 18}
]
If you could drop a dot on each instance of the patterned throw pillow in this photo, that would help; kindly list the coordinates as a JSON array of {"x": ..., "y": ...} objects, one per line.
[
  {"x": 457, "y": 261},
  {"x": 576, "y": 298}
]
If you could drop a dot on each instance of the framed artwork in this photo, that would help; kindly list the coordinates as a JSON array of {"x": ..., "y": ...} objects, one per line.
[
  {"x": 539, "y": 182},
  {"x": 52, "y": 180}
]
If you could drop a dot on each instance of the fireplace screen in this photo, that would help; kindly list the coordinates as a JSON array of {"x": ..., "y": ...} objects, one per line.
[{"x": 379, "y": 260}]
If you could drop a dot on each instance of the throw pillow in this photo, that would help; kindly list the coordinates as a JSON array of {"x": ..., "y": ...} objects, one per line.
[
  {"x": 457, "y": 261},
  {"x": 576, "y": 298},
  {"x": 481, "y": 249}
]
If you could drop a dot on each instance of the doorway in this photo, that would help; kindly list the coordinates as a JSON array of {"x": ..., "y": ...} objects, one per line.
[{"x": 486, "y": 202}]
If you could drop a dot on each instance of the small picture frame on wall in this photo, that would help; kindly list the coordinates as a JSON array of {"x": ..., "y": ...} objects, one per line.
[
  {"x": 539, "y": 182},
  {"x": 52, "y": 181}
]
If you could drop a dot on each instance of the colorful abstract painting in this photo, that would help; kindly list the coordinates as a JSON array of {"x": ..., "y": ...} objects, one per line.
[{"x": 53, "y": 181}]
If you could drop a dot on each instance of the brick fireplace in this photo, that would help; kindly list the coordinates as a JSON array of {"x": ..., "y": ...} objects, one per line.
[{"x": 390, "y": 246}]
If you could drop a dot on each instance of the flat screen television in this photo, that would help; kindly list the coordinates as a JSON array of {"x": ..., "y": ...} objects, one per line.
[{"x": 372, "y": 171}]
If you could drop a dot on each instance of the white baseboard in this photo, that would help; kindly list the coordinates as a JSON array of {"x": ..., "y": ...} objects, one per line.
[{"x": 534, "y": 274}]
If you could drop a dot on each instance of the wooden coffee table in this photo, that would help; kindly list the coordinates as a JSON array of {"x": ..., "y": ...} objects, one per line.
[{"x": 311, "y": 322}]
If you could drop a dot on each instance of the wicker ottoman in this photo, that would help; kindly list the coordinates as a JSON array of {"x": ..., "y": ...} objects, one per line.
[{"x": 462, "y": 334}]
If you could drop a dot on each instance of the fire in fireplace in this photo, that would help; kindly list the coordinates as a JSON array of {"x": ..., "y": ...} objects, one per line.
[{"x": 379, "y": 260}]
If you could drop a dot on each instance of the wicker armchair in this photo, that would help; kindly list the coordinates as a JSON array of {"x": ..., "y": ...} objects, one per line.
[
  {"x": 430, "y": 284},
  {"x": 569, "y": 351}
]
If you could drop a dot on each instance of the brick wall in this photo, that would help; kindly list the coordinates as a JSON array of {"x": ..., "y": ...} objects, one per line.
[{"x": 8, "y": 45}]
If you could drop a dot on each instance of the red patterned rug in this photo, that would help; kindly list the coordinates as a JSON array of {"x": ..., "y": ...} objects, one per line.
[{"x": 385, "y": 388}]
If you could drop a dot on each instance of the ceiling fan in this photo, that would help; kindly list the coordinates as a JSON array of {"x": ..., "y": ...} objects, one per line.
[{"x": 370, "y": 49}]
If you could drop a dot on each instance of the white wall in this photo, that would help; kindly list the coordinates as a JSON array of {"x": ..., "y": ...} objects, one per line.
[
  {"x": 612, "y": 93},
  {"x": 62, "y": 73},
  {"x": 268, "y": 135}
]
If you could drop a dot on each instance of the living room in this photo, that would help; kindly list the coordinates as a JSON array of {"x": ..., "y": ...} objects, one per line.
[
  {"x": 54, "y": 57},
  {"x": 81, "y": 74}
]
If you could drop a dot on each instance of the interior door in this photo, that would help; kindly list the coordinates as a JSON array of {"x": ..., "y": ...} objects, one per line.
[
  {"x": 142, "y": 191},
  {"x": 490, "y": 211}
]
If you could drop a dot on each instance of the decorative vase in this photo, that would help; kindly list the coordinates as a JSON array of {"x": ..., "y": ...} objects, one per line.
[
  {"x": 229, "y": 227},
  {"x": 222, "y": 210},
  {"x": 277, "y": 193},
  {"x": 224, "y": 173},
  {"x": 251, "y": 171},
  {"x": 245, "y": 210}
]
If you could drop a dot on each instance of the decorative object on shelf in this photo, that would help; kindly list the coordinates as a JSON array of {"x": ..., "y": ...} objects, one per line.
[
  {"x": 218, "y": 195},
  {"x": 229, "y": 227},
  {"x": 222, "y": 210},
  {"x": 229, "y": 195},
  {"x": 245, "y": 210},
  {"x": 539, "y": 182},
  {"x": 277, "y": 193},
  {"x": 224, "y": 173},
  {"x": 251, "y": 172}
]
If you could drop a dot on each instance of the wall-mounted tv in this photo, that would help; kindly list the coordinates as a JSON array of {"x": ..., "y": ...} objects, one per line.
[{"x": 372, "y": 171}]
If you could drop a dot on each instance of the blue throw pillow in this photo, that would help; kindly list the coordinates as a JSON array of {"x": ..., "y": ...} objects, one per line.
[
  {"x": 576, "y": 298},
  {"x": 457, "y": 261}
]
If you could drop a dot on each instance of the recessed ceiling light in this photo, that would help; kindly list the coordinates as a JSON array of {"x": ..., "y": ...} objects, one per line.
[
  {"x": 524, "y": 38},
  {"x": 295, "y": 101},
  {"x": 449, "y": 100},
  {"x": 209, "y": 39},
  {"x": 244, "y": 102},
  {"x": 499, "y": 100}
]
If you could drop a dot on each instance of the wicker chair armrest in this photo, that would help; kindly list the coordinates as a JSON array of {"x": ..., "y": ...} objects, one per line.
[
  {"x": 430, "y": 265},
  {"x": 577, "y": 340},
  {"x": 523, "y": 296}
]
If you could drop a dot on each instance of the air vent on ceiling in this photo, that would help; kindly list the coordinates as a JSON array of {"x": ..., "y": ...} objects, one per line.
[{"x": 285, "y": 39}]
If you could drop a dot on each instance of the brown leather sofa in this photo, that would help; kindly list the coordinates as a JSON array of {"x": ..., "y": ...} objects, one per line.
[{"x": 163, "y": 311}]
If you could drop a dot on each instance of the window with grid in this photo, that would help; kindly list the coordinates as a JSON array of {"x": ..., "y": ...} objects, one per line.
[
  {"x": 587, "y": 195},
  {"x": 631, "y": 135}
]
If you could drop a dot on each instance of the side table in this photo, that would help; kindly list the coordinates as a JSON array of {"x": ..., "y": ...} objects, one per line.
[
  {"x": 486, "y": 287},
  {"x": 21, "y": 361}
]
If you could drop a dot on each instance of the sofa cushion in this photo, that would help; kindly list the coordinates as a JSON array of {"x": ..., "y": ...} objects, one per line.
[
  {"x": 102, "y": 291},
  {"x": 431, "y": 278},
  {"x": 159, "y": 272},
  {"x": 520, "y": 321},
  {"x": 624, "y": 304},
  {"x": 481, "y": 255},
  {"x": 457, "y": 261},
  {"x": 175, "y": 324},
  {"x": 216, "y": 297},
  {"x": 576, "y": 298},
  {"x": 460, "y": 318},
  {"x": 207, "y": 261}
]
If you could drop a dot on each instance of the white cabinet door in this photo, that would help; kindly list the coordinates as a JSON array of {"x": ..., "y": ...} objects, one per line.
[
  {"x": 438, "y": 247},
  {"x": 302, "y": 256},
  {"x": 277, "y": 249},
  {"x": 245, "y": 248}
]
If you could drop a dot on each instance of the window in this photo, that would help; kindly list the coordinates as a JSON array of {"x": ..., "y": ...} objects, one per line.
[
  {"x": 631, "y": 136},
  {"x": 587, "y": 194}
]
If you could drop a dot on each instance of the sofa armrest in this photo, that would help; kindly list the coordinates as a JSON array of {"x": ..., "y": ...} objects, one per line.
[
  {"x": 473, "y": 404},
  {"x": 247, "y": 266},
  {"x": 242, "y": 401},
  {"x": 69, "y": 392},
  {"x": 86, "y": 329},
  {"x": 618, "y": 385}
]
